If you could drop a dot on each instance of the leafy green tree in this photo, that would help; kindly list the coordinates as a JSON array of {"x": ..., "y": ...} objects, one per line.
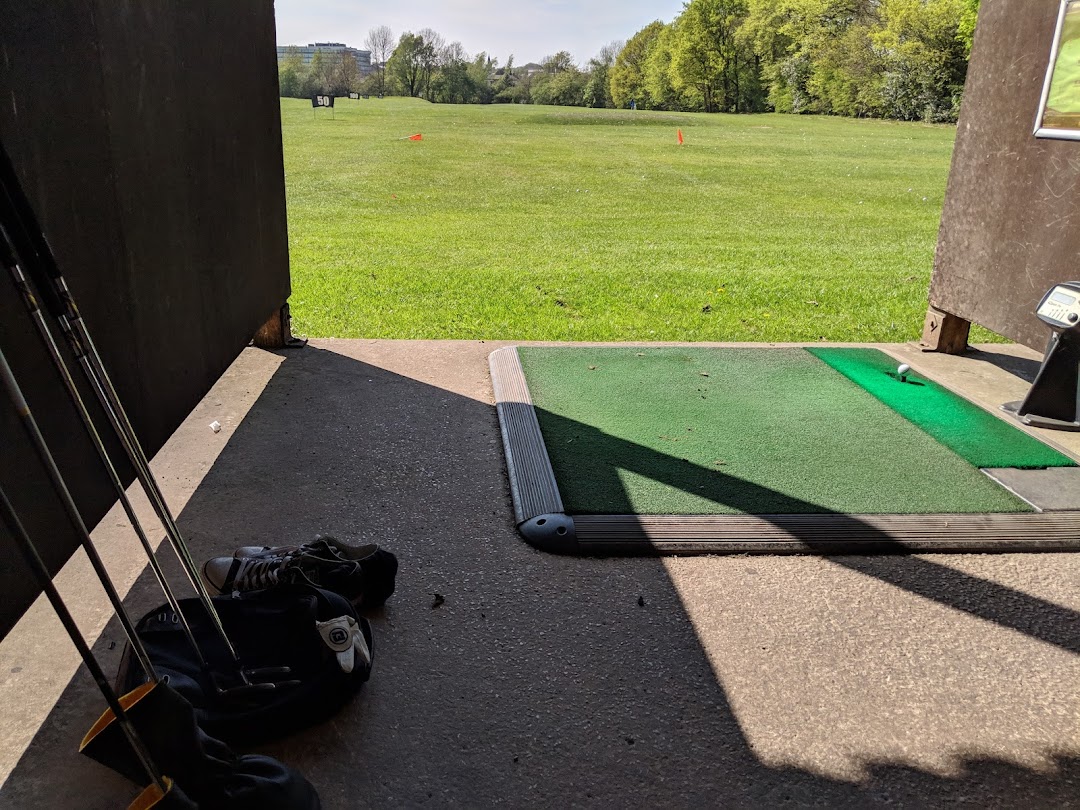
[
  {"x": 560, "y": 83},
  {"x": 292, "y": 74},
  {"x": 558, "y": 63},
  {"x": 847, "y": 75},
  {"x": 627, "y": 75},
  {"x": 320, "y": 73},
  {"x": 380, "y": 42},
  {"x": 505, "y": 83},
  {"x": 373, "y": 84},
  {"x": 895, "y": 58},
  {"x": 924, "y": 57},
  {"x": 565, "y": 88},
  {"x": 966, "y": 28},
  {"x": 597, "y": 91},
  {"x": 409, "y": 63},
  {"x": 697, "y": 54},
  {"x": 663, "y": 95},
  {"x": 710, "y": 62},
  {"x": 432, "y": 57},
  {"x": 346, "y": 74},
  {"x": 781, "y": 33},
  {"x": 449, "y": 75},
  {"x": 479, "y": 73}
]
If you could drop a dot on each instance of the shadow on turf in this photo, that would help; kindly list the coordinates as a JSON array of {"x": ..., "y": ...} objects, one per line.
[
  {"x": 608, "y": 455},
  {"x": 539, "y": 682}
]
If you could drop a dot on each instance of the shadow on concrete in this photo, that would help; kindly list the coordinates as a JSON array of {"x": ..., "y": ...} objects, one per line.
[
  {"x": 1023, "y": 367},
  {"x": 540, "y": 681},
  {"x": 601, "y": 457}
]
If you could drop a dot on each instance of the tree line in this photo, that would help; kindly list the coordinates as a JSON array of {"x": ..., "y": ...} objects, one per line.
[{"x": 904, "y": 59}]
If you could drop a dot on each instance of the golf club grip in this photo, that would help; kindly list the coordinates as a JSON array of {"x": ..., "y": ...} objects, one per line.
[{"x": 27, "y": 239}]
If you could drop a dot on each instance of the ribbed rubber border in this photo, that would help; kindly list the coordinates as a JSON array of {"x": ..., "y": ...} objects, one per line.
[
  {"x": 532, "y": 481},
  {"x": 540, "y": 517},
  {"x": 826, "y": 534}
]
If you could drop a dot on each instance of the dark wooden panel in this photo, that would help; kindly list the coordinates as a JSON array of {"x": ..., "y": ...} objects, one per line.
[
  {"x": 202, "y": 210},
  {"x": 148, "y": 137},
  {"x": 63, "y": 160},
  {"x": 1011, "y": 225}
]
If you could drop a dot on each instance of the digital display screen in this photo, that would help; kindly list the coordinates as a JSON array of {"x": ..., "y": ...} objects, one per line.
[{"x": 1062, "y": 298}]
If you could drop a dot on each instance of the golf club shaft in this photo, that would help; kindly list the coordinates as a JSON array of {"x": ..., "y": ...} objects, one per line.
[
  {"x": 38, "y": 261},
  {"x": 15, "y": 395},
  {"x": 41, "y": 574},
  {"x": 110, "y": 401},
  {"x": 38, "y": 317}
]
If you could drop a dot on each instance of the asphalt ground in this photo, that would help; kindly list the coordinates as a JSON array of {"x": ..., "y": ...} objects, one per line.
[{"x": 539, "y": 680}]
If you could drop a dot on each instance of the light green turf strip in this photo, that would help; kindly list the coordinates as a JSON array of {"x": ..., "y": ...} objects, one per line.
[
  {"x": 729, "y": 431},
  {"x": 981, "y": 438}
]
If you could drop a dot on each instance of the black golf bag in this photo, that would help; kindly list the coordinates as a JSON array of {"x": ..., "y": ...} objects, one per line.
[
  {"x": 315, "y": 633},
  {"x": 206, "y": 770}
]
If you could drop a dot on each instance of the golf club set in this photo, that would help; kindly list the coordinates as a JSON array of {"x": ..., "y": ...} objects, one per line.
[{"x": 280, "y": 648}]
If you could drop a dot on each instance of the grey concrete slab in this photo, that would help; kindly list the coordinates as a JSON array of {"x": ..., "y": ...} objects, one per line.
[
  {"x": 541, "y": 681},
  {"x": 1052, "y": 490}
]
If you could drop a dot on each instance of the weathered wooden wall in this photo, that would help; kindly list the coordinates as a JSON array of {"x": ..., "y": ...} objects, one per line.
[
  {"x": 148, "y": 137},
  {"x": 1011, "y": 225}
]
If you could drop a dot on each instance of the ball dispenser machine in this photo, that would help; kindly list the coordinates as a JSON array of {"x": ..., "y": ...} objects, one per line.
[{"x": 1052, "y": 400}]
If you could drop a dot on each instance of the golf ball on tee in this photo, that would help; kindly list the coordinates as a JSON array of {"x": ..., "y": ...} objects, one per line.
[{"x": 903, "y": 369}]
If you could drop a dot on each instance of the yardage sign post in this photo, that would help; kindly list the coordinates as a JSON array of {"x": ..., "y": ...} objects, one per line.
[{"x": 322, "y": 101}]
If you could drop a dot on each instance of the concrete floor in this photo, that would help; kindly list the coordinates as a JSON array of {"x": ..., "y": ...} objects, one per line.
[{"x": 541, "y": 681}]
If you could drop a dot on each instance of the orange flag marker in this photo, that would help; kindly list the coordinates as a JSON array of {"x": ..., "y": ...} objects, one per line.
[
  {"x": 679, "y": 135},
  {"x": 416, "y": 137}
]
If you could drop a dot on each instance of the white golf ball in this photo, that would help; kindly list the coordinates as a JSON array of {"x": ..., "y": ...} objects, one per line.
[{"x": 903, "y": 369}]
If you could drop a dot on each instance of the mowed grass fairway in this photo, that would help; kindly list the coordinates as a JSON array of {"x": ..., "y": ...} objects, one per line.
[{"x": 552, "y": 223}]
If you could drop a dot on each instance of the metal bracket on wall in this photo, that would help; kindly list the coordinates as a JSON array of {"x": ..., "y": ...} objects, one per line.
[{"x": 276, "y": 333}]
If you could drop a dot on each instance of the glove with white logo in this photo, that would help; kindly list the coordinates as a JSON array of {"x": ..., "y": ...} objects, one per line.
[{"x": 344, "y": 637}]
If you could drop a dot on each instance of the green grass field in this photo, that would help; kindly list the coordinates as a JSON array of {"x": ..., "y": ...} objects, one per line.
[{"x": 570, "y": 224}]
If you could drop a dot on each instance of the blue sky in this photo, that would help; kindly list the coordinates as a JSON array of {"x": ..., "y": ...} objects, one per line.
[{"x": 529, "y": 29}]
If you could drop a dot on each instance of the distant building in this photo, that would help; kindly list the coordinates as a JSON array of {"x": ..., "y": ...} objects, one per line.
[{"x": 307, "y": 53}]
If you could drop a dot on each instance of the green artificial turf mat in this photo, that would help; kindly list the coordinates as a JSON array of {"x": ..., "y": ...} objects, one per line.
[
  {"x": 685, "y": 431},
  {"x": 981, "y": 438}
]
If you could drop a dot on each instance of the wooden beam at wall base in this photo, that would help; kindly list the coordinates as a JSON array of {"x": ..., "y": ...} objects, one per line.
[
  {"x": 944, "y": 332},
  {"x": 276, "y": 333}
]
